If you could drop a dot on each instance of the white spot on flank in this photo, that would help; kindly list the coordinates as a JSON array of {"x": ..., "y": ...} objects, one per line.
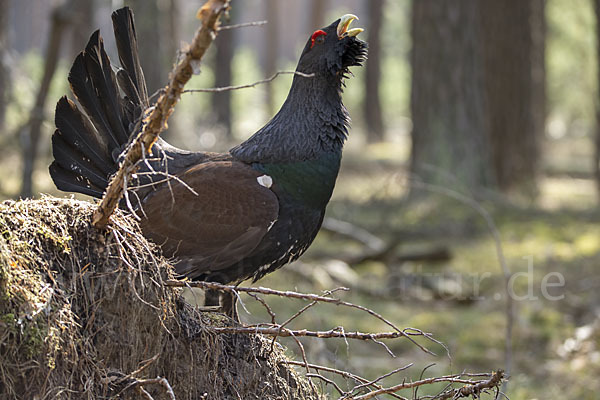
[{"x": 265, "y": 180}]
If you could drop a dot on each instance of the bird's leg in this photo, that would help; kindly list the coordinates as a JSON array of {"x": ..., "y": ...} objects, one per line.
[
  {"x": 229, "y": 306},
  {"x": 211, "y": 297}
]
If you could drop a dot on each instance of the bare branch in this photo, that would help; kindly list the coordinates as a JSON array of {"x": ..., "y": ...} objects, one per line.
[
  {"x": 327, "y": 380},
  {"x": 474, "y": 390},
  {"x": 265, "y": 305},
  {"x": 156, "y": 117},
  {"x": 407, "y": 332},
  {"x": 277, "y": 330},
  {"x": 242, "y": 25},
  {"x": 250, "y": 85},
  {"x": 140, "y": 383},
  {"x": 344, "y": 374},
  {"x": 373, "y": 382},
  {"x": 471, "y": 388}
]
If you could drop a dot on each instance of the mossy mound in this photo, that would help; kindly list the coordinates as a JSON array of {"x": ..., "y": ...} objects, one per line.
[{"x": 84, "y": 315}]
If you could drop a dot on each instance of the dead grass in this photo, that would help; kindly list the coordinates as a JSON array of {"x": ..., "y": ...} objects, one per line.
[{"x": 84, "y": 315}]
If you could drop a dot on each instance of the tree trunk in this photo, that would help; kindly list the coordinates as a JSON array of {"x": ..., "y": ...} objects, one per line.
[
  {"x": 371, "y": 102},
  {"x": 171, "y": 43},
  {"x": 172, "y": 40},
  {"x": 147, "y": 24},
  {"x": 450, "y": 144},
  {"x": 513, "y": 35},
  {"x": 270, "y": 63},
  {"x": 597, "y": 138},
  {"x": 4, "y": 69},
  {"x": 317, "y": 14},
  {"x": 223, "y": 77},
  {"x": 61, "y": 15},
  {"x": 83, "y": 25}
]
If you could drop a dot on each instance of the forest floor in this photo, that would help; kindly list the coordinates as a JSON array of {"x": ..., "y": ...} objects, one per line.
[
  {"x": 460, "y": 296},
  {"x": 551, "y": 246}
]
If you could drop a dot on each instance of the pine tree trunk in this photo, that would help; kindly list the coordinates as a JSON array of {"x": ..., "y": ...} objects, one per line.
[
  {"x": 61, "y": 16},
  {"x": 317, "y": 14},
  {"x": 4, "y": 69},
  {"x": 83, "y": 25},
  {"x": 597, "y": 138},
  {"x": 450, "y": 145},
  {"x": 371, "y": 103},
  {"x": 148, "y": 27},
  {"x": 223, "y": 77},
  {"x": 171, "y": 44},
  {"x": 270, "y": 63},
  {"x": 172, "y": 33},
  {"x": 513, "y": 34}
]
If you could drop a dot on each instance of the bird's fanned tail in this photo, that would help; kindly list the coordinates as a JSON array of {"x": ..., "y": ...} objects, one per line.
[{"x": 88, "y": 140}]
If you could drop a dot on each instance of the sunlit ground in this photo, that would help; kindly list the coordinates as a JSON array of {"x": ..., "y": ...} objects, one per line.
[{"x": 461, "y": 301}]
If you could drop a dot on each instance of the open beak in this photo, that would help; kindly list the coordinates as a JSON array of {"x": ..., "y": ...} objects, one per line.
[{"x": 342, "y": 28}]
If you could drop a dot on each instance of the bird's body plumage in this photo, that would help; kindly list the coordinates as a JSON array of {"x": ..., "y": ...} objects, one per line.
[{"x": 222, "y": 217}]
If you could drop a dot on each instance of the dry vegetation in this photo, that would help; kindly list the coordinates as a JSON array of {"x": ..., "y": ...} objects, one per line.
[
  {"x": 84, "y": 314},
  {"x": 87, "y": 313}
]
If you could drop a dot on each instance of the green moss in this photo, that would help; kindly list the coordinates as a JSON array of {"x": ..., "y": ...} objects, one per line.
[
  {"x": 8, "y": 320},
  {"x": 59, "y": 241}
]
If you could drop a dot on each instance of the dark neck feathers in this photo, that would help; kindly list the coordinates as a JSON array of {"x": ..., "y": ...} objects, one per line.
[{"x": 312, "y": 121}]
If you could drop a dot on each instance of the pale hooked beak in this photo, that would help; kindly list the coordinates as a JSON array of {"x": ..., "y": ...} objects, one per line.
[{"x": 342, "y": 28}]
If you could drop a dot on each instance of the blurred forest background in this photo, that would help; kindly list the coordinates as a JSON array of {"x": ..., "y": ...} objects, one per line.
[{"x": 474, "y": 146}]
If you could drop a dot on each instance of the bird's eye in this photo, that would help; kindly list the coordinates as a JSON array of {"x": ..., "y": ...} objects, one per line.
[{"x": 317, "y": 37}]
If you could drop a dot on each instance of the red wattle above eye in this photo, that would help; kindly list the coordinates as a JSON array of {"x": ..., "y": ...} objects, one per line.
[{"x": 315, "y": 36}]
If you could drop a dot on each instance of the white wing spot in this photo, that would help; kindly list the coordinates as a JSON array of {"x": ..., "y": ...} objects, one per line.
[{"x": 265, "y": 180}]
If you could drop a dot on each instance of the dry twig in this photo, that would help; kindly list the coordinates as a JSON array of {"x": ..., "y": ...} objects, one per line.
[
  {"x": 471, "y": 388},
  {"x": 406, "y": 332},
  {"x": 242, "y": 25},
  {"x": 249, "y": 85},
  {"x": 278, "y": 330},
  {"x": 156, "y": 120},
  {"x": 140, "y": 383},
  {"x": 347, "y": 375}
]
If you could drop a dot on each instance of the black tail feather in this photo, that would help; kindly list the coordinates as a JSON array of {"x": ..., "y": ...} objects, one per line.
[
  {"x": 126, "y": 39},
  {"x": 69, "y": 181},
  {"x": 69, "y": 158},
  {"x": 80, "y": 133},
  {"x": 132, "y": 108},
  {"x": 104, "y": 81},
  {"x": 84, "y": 91},
  {"x": 86, "y": 142},
  {"x": 90, "y": 79}
]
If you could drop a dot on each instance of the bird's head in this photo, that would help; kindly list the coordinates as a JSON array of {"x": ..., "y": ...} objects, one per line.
[{"x": 333, "y": 49}]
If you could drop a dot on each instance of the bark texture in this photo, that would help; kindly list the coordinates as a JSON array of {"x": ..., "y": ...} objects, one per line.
[
  {"x": 513, "y": 34},
  {"x": 450, "y": 144}
]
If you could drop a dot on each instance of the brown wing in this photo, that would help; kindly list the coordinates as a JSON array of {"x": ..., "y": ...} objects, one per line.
[{"x": 216, "y": 227}]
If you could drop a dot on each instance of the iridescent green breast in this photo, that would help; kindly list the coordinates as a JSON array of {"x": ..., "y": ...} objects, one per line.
[{"x": 309, "y": 183}]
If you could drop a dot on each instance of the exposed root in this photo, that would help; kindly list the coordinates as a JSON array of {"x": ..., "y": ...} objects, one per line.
[{"x": 85, "y": 314}]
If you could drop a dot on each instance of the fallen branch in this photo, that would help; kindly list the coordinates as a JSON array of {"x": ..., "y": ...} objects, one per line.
[
  {"x": 278, "y": 330},
  {"x": 140, "y": 383},
  {"x": 406, "y": 332},
  {"x": 472, "y": 388},
  {"x": 156, "y": 120},
  {"x": 249, "y": 85},
  {"x": 348, "y": 375},
  {"x": 353, "y": 232}
]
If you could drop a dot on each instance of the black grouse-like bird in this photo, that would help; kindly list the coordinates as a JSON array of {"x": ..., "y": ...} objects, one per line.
[{"x": 225, "y": 217}]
